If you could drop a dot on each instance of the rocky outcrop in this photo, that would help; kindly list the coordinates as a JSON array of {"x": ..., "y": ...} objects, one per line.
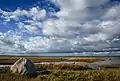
[{"x": 24, "y": 66}]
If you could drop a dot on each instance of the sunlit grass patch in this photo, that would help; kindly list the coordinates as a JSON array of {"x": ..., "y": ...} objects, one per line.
[{"x": 85, "y": 59}]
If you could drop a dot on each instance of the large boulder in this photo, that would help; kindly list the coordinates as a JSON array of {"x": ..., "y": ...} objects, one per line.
[{"x": 24, "y": 66}]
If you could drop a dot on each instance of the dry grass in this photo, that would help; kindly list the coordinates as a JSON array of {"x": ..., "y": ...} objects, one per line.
[
  {"x": 85, "y": 59},
  {"x": 62, "y": 72},
  {"x": 62, "y": 67},
  {"x": 65, "y": 75},
  {"x": 11, "y": 60}
]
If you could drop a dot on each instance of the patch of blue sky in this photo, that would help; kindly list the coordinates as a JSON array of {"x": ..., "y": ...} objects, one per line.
[
  {"x": 10, "y": 26},
  {"x": 11, "y": 5}
]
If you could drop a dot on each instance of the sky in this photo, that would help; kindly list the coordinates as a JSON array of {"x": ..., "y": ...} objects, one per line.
[{"x": 59, "y": 26}]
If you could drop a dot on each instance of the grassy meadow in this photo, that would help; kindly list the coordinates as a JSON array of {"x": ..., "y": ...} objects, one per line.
[
  {"x": 61, "y": 72},
  {"x": 11, "y": 60},
  {"x": 65, "y": 75}
]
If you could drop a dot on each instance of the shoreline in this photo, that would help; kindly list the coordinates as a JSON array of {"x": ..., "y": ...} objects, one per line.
[{"x": 58, "y": 56}]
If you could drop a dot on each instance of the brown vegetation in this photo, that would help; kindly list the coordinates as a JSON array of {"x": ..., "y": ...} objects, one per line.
[
  {"x": 65, "y": 75},
  {"x": 61, "y": 72},
  {"x": 11, "y": 60},
  {"x": 62, "y": 67}
]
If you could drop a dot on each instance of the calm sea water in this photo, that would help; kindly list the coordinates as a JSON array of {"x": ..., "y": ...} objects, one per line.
[{"x": 86, "y": 54}]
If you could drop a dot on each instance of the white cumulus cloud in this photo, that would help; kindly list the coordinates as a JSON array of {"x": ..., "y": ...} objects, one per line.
[{"x": 81, "y": 25}]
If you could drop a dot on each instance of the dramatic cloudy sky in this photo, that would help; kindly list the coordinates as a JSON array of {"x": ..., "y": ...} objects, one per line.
[{"x": 34, "y": 26}]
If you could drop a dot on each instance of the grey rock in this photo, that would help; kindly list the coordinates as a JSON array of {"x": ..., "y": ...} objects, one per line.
[{"x": 24, "y": 66}]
